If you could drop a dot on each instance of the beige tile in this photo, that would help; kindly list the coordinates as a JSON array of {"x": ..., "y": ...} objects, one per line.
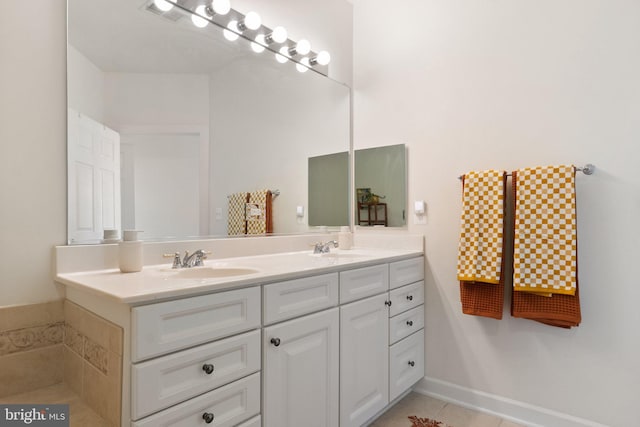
[
  {"x": 80, "y": 415},
  {"x": 29, "y": 370},
  {"x": 420, "y": 405},
  {"x": 73, "y": 314},
  {"x": 507, "y": 423},
  {"x": 25, "y": 316},
  {"x": 74, "y": 340},
  {"x": 30, "y": 338},
  {"x": 463, "y": 417},
  {"x": 94, "y": 327},
  {"x": 73, "y": 370},
  {"x": 101, "y": 392},
  {"x": 96, "y": 355},
  {"x": 57, "y": 393}
]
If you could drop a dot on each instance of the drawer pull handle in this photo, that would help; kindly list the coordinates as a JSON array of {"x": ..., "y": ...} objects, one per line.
[
  {"x": 410, "y": 297},
  {"x": 412, "y": 363},
  {"x": 208, "y": 368},
  {"x": 208, "y": 417},
  {"x": 275, "y": 341},
  {"x": 409, "y": 322},
  {"x": 387, "y": 303}
]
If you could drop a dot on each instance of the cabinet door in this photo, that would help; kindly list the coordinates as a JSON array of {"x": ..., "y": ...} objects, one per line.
[
  {"x": 300, "y": 369},
  {"x": 364, "y": 360},
  {"x": 407, "y": 363}
]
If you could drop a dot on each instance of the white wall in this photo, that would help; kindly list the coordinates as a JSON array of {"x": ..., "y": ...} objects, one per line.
[
  {"x": 508, "y": 84},
  {"x": 33, "y": 212}
]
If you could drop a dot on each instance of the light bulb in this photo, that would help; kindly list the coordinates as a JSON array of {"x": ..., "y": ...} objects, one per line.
[
  {"x": 303, "y": 66},
  {"x": 283, "y": 56},
  {"x": 303, "y": 47},
  {"x": 259, "y": 44},
  {"x": 163, "y": 5},
  {"x": 322, "y": 58},
  {"x": 221, "y": 7},
  {"x": 198, "y": 19},
  {"x": 278, "y": 35},
  {"x": 231, "y": 33},
  {"x": 251, "y": 21}
]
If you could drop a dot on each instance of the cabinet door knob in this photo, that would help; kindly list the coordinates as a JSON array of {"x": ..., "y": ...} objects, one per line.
[
  {"x": 208, "y": 368},
  {"x": 208, "y": 417},
  {"x": 410, "y": 297},
  {"x": 387, "y": 303},
  {"x": 411, "y": 363},
  {"x": 409, "y": 322},
  {"x": 275, "y": 341}
]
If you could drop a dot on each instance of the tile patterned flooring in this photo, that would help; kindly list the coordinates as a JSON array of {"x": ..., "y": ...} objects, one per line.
[
  {"x": 428, "y": 407},
  {"x": 412, "y": 404},
  {"x": 80, "y": 414}
]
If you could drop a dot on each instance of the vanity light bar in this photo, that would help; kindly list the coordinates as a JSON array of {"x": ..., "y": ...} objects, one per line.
[{"x": 234, "y": 24}]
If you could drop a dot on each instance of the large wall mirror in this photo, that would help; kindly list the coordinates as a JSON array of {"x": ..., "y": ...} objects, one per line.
[{"x": 167, "y": 122}]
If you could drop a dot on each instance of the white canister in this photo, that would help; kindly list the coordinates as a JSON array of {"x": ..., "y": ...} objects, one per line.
[
  {"x": 345, "y": 238},
  {"x": 130, "y": 252}
]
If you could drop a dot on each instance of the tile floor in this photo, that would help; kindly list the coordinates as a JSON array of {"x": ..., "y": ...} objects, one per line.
[
  {"x": 412, "y": 404},
  {"x": 80, "y": 414},
  {"x": 428, "y": 407}
]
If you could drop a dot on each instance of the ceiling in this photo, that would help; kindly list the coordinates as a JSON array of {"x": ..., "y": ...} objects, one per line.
[{"x": 123, "y": 36}]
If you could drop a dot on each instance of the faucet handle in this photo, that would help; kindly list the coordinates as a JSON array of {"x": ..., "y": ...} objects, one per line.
[
  {"x": 176, "y": 259},
  {"x": 200, "y": 257}
]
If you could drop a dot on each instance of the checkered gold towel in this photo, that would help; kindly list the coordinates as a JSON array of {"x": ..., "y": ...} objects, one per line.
[
  {"x": 259, "y": 212},
  {"x": 236, "y": 222},
  {"x": 545, "y": 235},
  {"x": 480, "y": 251},
  {"x": 482, "y": 227}
]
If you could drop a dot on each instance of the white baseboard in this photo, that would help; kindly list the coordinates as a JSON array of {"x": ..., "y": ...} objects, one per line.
[{"x": 509, "y": 409}]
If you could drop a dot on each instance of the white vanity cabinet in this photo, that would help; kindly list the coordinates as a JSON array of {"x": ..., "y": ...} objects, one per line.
[
  {"x": 301, "y": 357},
  {"x": 381, "y": 337},
  {"x": 197, "y": 360},
  {"x": 364, "y": 359},
  {"x": 331, "y": 345}
]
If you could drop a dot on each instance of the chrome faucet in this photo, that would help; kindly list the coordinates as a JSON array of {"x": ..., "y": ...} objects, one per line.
[
  {"x": 193, "y": 260},
  {"x": 324, "y": 248},
  {"x": 196, "y": 259}
]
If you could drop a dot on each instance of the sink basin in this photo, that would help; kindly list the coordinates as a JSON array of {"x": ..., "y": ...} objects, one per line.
[{"x": 211, "y": 272}]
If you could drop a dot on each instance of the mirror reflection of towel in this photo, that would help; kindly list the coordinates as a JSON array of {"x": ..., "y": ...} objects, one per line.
[
  {"x": 236, "y": 223},
  {"x": 259, "y": 212}
]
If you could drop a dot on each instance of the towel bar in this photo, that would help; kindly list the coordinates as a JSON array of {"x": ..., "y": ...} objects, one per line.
[{"x": 587, "y": 169}]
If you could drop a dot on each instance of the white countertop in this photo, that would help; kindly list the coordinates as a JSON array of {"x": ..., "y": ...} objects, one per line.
[{"x": 157, "y": 282}]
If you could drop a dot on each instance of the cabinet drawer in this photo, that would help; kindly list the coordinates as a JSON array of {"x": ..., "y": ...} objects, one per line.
[
  {"x": 406, "y": 297},
  {"x": 253, "y": 422},
  {"x": 294, "y": 298},
  {"x": 174, "y": 325},
  {"x": 406, "y": 364},
  {"x": 165, "y": 381},
  {"x": 229, "y": 405},
  {"x": 405, "y": 324},
  {"x": 363, "y": 282},
  {"x": 404, "y": 272}
]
